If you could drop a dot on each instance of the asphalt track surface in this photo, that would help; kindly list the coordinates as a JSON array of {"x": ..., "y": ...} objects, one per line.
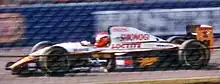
[{"x": 212, "y": 70}]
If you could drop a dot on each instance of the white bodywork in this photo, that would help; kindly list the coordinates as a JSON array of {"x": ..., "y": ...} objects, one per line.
[{"x": 123, "y": 39}]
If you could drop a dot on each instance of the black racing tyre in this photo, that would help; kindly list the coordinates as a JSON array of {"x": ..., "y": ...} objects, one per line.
[
  {"x": 41, "y": 45},
  {"x": 194, "y": 54},
  {"x": 55, "y": 62},
  {"x": 176, "y": 39}
]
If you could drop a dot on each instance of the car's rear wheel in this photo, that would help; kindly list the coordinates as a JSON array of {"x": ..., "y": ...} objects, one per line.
[
  {"x": 194, "y": 54},
  {"x": 55, "y": 62}
]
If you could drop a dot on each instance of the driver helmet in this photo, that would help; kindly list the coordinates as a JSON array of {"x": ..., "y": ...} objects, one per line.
[{"x": 102, "y": 39}]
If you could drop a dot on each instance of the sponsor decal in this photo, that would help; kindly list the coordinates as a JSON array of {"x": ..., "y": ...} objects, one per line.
[
  {"x": 81, "y": 49},
  {"x": 12, "y": 27},
  {"x": 126, "y": 45},
  {"x": 124, "y": 62},
  {"x": 132, "y": 37},
  {"x": 119, "y": 29},
  {"x": 147, "y": 61},
  {"x": 207, "y": 28},
  {"x": 160, "y": 45}
]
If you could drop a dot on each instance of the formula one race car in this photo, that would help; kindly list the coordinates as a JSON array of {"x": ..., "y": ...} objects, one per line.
[{"x": 145, "y": 50}]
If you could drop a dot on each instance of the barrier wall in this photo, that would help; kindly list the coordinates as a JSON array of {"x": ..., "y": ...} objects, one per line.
[{"x": 80, "y": 21}]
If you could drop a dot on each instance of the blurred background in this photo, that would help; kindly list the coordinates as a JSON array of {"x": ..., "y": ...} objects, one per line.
[
  {"x": 27, "y": 22},
  {"x": 22, "y": 2}
]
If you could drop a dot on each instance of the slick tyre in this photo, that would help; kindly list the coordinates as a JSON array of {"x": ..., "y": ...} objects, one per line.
[
  {"x": 54, "y": 62},
  {"x": 194, "y": 54},
  {"x": 41, "y": 45}
]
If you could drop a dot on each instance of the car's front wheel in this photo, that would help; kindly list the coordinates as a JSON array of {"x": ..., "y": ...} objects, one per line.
[{"x": 54, "y": 61}]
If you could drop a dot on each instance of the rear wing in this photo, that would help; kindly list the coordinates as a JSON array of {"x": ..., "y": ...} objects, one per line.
[{"x": 204, "y": 33}]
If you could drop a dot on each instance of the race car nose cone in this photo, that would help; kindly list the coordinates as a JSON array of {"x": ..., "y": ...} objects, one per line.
[{"x": 7, "y": 66}]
